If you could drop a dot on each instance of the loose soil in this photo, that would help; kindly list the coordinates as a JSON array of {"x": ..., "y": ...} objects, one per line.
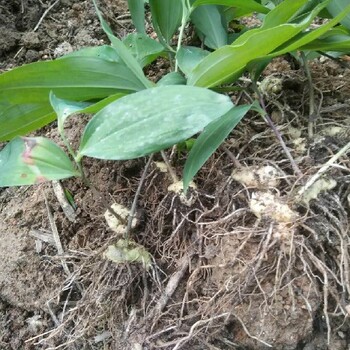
[{"x": 244, "y": 265}]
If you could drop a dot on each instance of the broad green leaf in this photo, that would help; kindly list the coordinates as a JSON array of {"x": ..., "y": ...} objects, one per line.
[
  {"x": 127, "y": 58},
  {"x": 65, "y": 108},
  {"x": 300, "y": 42},
  {"x": 144, "y": 49},
  {"x": 337, "y": 6},
  {"x": 310, "y": 5},
  {"x": 28, "y": 161},
  {"x": 247, "y": 5},
  {"x": 74, "y": 78},
  {"x": 232, "y": 13},
  {"x": 188, "y": 57},
  {"x": 283, "y": 13},
  {"x": 225, "y": 64},
  {"x": 286, "y": 11},
  {"x": 333, "y": 40},
  {"x": 97, "y": 106},
  {"x": 304, "y": 38},
  {"x": 151, "y": 120},
  {"x": 24, "y": 91},
  {"x": 210, "y": 139},
  {"x": 106, "y": 52},
  {"x": 210, "y": 24},
  {"x": 26, "y": 117},
  {"x": 19, "y": 119},
  {"x": 172, "y": 78},
  {"x": 166, "y": 17},
  {"x": 137, "y": 10},
  {"x": 280, "y": 15}
]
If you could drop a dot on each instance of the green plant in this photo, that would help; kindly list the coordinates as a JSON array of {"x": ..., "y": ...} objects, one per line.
[{"x": 134, "y": 116}]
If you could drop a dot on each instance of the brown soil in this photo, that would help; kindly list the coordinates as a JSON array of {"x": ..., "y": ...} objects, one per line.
[{"x": 235, "y": 278}]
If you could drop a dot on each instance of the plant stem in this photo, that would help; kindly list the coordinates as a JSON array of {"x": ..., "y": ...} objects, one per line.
[
  {"x": 137, "y": 194},
  {"x": 235, "y": 161},
  {"x": 85, "y": 180},
  {"x": 66, "y": 142},
  {"x": 276, "y": 132},
  {"x": 312, "y": 108},
  {"x": 171, "y": 63},
  {"x": 185, "y": 15},
  {"x": 170, "y": 169}
]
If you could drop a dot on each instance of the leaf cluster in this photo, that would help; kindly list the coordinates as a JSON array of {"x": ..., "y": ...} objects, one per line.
[{"x": 134, "y": 116}]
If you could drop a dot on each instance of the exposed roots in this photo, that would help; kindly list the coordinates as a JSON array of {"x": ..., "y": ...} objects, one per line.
[{"x": 225, "y": 274}]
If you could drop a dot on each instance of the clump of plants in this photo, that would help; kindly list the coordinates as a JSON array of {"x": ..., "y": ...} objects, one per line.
[
  {"x": 191, "y": 107},
  {"x": 135, "y": 117}
]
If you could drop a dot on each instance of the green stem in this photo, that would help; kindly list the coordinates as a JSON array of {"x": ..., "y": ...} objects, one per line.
[
  {"x": 186, "y": 10},
  {"x": 312, "y": 103},
  {"x": 65, "y": 141},
  {"x": 85, "y": 180}
]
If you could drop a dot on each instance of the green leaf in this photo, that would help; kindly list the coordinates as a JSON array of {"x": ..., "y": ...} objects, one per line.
[
  {"x": 333, "y": 40},
  {"x": 226, "y": 64},
  {"x": 70, "y": 198},
  {"x": 166, "y": 17},
  {"x": 106, "y": 52},
  {"x": 304, "y": 38},
  {"x": 337, "y": 6},
  {"x": 125, "y": 55},
  {"x": 185, "y": 146},
  {"x": 23, "y": 118},
  {"x": 307, "y": 41},
  {"x": 210, "y": 139},
  {"x": 18, "y": 119},
  {"x": 143, "y": 48},
  {"x": 74, "y": 78},
  {"x": 137, "y": 10},
  {"x": 281, "y": 14},
  {"x": 188, "y": 57},
  {"x": 151, "y": 120},
  {"x": 210, "y": 24},
  {"x": 246, "y": 5},
  {"x": 65, "y": 108},
  {"x": 97, "y": 106},
  {"x": 256, "y": 67},
  {"x": 172, "y": 78},
  {"x": 27, "y": 161},
  {"x": 24, "y": 91}
]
